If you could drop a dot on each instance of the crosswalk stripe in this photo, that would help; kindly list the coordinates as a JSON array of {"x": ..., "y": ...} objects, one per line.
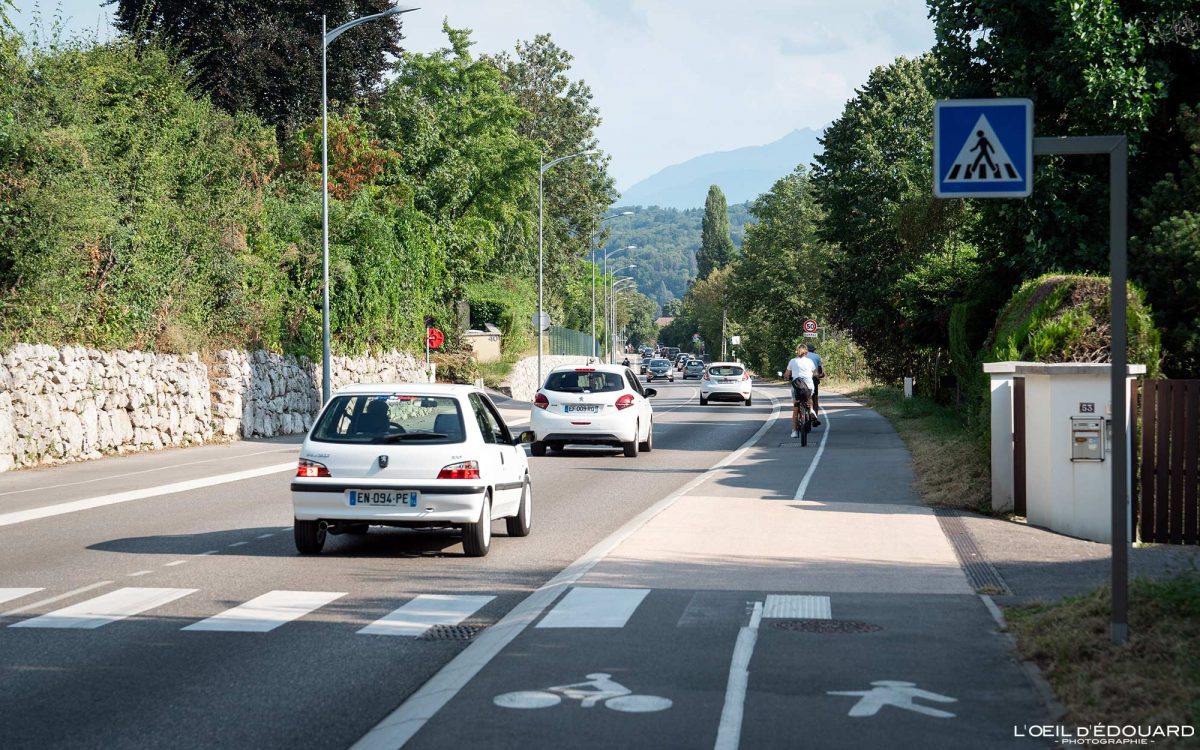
[
  {"x": 588, "y": 607},
  {"x": 7, "y": 595},
  {"x": 267, "y": 612},
  {"x": 425, "y": 611},
  {"x": 106, "y": 608},
  {"x": 797, "y": 606}
]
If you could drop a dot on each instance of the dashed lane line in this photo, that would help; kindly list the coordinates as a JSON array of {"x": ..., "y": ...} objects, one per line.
[{"x": 33, "y": 514}]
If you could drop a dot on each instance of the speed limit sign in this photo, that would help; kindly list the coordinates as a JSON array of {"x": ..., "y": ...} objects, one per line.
[{"x": 810, "y": 326}]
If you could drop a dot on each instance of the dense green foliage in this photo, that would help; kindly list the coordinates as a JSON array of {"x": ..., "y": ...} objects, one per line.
[
  {"x": 136, "y": 213},
  {"x": 716, "y": 247},
  {"x": 265, "y": 58}
]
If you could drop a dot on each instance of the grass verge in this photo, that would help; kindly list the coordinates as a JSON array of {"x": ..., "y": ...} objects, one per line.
[
  {"x": 952, "y": 466},
  {"x": 494, "y": 373},
  {"x": 1152, "y": 680}
]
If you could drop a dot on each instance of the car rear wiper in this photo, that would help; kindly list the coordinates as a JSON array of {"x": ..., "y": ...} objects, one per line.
[{"x": 412, "y": 436}]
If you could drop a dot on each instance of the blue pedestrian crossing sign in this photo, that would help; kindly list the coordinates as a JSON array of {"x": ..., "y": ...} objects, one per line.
[{"x": 983, "y": 148}]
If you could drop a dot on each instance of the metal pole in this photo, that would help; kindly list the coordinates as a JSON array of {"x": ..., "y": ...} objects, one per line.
[
  {"x": 538, "y": 325},
  {"x": 605, "y": 280},
  {"x": 593, "y": 244},
  {"x": 325, "y": 368},
  {"x": 1118, "y": 178}
]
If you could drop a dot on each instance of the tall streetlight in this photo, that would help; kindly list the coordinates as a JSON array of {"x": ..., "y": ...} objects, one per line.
[
  {"x": 327, "y": 38},
  {"x": 595, "y": 344},
  {"x": 606, "y": 284},
  {"x": 619, "y": 286},
  {"x": 542, "y": 168},
  {"x": 613, "y": 306}
]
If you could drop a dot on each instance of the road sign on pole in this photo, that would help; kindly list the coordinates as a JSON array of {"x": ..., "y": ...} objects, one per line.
[
  {"x": 541, "y": 321},
  {"x": 436, "y": 338},
  {"x": 810, "y": 327},
  {"x": 983, "y": 148}
]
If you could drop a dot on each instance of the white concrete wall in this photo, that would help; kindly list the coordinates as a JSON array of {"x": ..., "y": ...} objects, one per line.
[
  {"x": 523, "y": 379},
  {"x": 1002, "y": 443}
]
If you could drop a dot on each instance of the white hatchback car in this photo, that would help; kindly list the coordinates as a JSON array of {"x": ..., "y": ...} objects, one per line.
[
  {"x": 411, "y": 455},
  {"x": 726, "y": 381},
  {"x": 595, "y": 404}
]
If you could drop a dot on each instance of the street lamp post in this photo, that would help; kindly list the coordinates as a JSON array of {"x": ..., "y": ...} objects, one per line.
[
  {"x": 541, "y": 172},
  {"x": 619, "y": 288},
  {"x": 608, "y": 334},
  {"x": 327, "y": 38},
  {"x": 613, "y": 306},
  {"x": 595, "y": 344}
]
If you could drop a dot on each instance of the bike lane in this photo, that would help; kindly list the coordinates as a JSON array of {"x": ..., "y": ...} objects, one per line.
[{"x": 830, "y": 615}]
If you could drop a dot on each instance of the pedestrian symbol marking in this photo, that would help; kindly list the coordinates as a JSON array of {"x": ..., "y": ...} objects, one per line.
[
  {"x": 599, "y": 687},
  {"x": 983, "y": 148},
  {"x": 898, "y": 694},
  {"x": 985, "y": 160}
]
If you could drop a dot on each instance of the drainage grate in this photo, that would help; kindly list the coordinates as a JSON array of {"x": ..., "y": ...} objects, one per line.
[
  {"x": 451, "y": 632},
  {"x": 984, "y": 577},
  {"x": 826, "y": 626}
]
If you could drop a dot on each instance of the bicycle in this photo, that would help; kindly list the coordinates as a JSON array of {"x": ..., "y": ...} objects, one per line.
[
  {"x": 600, "y": 687},
  {"x": 800, "y": 403}
]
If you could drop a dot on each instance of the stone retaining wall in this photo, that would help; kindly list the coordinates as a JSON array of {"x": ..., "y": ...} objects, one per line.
[
  {"x": 523, "y": 380},
  {"x": 71, "y": 403}
]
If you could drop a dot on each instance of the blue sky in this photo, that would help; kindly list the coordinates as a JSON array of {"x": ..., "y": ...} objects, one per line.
[{"x": 673, "y": 78}]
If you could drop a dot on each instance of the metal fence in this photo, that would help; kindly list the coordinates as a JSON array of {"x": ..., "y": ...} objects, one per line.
[{"x": 569, "y": 342}]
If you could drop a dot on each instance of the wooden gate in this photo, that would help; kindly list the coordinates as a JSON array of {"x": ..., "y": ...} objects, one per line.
[{"x": 1167, "y": 506}]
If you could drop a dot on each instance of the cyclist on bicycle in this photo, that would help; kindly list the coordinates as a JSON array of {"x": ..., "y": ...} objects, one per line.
[{"x": 800, "y": 371}]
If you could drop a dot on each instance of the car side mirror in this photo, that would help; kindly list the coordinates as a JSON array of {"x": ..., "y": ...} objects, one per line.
[
  {"x": 651, "y": 392},
  {"x": 525, "y": 437}
]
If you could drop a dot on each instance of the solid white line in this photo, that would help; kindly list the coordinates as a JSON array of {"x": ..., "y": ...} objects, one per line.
[
  {"x": 798, "y": 607},
  {"x": 143, "y": 471},
  {"x": 594, "y": 607},
  {"x": 7, "y": 595},
  {"x": 729, "y": 732},
  {"x": 33, "y": 514},
  {"x": 106, "y": 608},
  {"x": 425, "y": 611},
  {"x": 402, "y": 724},
  {"x": 816, "y": 459},
  {"x": 54, "y": 599},
  {"x": 267, "y": 612}
]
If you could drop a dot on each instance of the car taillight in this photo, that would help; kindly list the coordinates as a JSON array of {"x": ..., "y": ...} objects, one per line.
[
  {"x": 625, "y": 402},
  {"x": 460, "y": 470},
  {"x": 311, "y": 469},
  {"x": 745, "y": 376},
  {"x": 540, "y": 401}
]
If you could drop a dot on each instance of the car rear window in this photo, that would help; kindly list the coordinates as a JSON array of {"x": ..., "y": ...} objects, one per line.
[
  {"x": 391, "y": 418},
  {"x": 725, "y": 371},
  {"x": 658, "y": 363},
  {"x": 695, "y": 363},
  {"x": 584, "y": 382}
]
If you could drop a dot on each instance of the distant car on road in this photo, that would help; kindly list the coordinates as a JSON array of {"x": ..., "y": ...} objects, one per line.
[
  {"x": 411, "y": 455},
  {"x": 593, "y": 405},
  {"x": 659, "y": 368},
  {"x": 726, "y": 381},
  {"x": 693, "y": 368},
  {"x": 682, "y": 359}
]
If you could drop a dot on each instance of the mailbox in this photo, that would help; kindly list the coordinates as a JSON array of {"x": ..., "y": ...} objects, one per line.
[{"x": 1087, "y": 439}]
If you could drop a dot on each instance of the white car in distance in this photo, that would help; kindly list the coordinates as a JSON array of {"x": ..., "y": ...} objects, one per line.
[
  {"x": 412, "y": 456},
  {"x": 726, "y": 381},
  {"x": 596, "y": 404}
]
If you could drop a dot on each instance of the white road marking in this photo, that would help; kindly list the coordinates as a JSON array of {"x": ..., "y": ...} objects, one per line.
[
  {"x": 210, "y": 552},
  {"x": 54, "y": 599},
  {"x": 265, "y": 536},
  {"x": 801, "y": 607},
  {"x": 144, "y": 471},
  {"x": 406, "y": 720},
  {"x": 267, "y": 612},
  {"x": 896, "y": 693},
  {"x": 140, "y": 573},
  {"x": 816, "y": 459},
  {"x": 729, "y": 732},
  {"x": 106, "y": 608},
  {"x": 594, "y": 607},
  {"x": 176, "y": 562},
  {"x": 425, "y": 611},
  {"x": 238, "y": 544},
  {"x": 7, "y": 595},
  {"x": 33, "y": 514}
]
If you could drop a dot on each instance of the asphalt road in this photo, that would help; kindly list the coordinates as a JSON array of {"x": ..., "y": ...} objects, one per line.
[{"x": 204, "y": 548}]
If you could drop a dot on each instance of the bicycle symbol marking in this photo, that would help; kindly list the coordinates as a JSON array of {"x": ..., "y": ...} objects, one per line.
[{"x": 599, "y": 687}]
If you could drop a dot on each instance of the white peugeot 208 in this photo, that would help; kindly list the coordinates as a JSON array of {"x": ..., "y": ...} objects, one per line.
[
  {"x": 411, "y": 455},
  {"x": 595, "y": 404}
]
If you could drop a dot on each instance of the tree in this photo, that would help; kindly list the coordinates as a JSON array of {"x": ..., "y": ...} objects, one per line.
[
  {"x": 716, "y": 247},
  {"x": 265, "y": 58}
]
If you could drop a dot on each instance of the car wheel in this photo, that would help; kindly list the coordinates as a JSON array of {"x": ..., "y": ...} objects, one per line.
[
  {"x": 647, "y": 445},
  {"x": 310, "y": 536},
  {"x": 477, "y": 537},
  {"x": 748, "y": 401},
  {"x": 519, "y": 524},
  {"x": 631, "y": 448},
  {"x": 703, "y": 401},
  {"x": 537, "y": 448}
]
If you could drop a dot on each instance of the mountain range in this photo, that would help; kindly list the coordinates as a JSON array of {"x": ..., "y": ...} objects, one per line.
[{"x": 743, "y": 173}]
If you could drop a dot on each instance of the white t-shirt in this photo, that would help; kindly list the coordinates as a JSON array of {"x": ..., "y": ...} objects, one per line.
[{"x": 802, "y": 367}]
